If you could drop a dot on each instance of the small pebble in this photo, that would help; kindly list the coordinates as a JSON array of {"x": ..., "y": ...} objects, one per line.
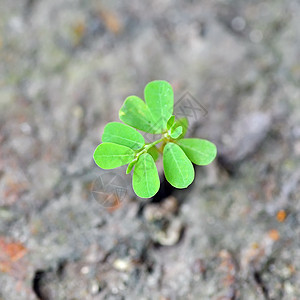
[
  {"x": 171, "y": 235},
  {"x": 123, "y": 265},
  {"x": 25, "y": 128},
  {"x": 238, "y": 23},
  {"x": 256, "y": 36},
  {"x": 85, "y": 270},
  {"x": 94, "y": 287}
]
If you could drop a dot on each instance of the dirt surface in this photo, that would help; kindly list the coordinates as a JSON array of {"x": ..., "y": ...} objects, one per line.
[{"x": 66, "y": 68}]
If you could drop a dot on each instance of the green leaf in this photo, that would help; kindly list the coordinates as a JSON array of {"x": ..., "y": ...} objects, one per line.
[
  {"x": 136, "y": 113},
  {"x": 153, "y": 151},
  {"x": 130, "y": 166},
  {"x": 110, "y": 155},
  {"x": 175, "y": 133},
  {"x": 179, "y": 170},
  {"x": 200, "y": 152},
  {"x": 160, "y": 99},
  {"x": 183, "y": 122},
  {"x": 145, "y": 180},
  {"x": 170, "y": 122},
  {"x": 122, "y": 134}
]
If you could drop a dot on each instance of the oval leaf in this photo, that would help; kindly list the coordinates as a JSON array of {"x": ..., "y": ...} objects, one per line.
[
  {"x": 183, "y": 122},
  {"x": 200, "y": 152},
  {"x": 160, "y": 99},
  {"x": 122, "y": 134},
  {"x": 170, "y": 122},
  {"x": 136, "y": 113},
  {"x": 175, "y": 133},
  {"x": 145, "y": 180},
  {"x": 178, "y": 169},
  {"x": 110, "y": 155}
]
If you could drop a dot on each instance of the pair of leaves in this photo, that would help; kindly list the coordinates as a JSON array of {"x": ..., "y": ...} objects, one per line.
[
  {"x": 174, "y": 127},
  {"x": 118, "y": 148},
  {"x": 119, "y": 143},
  {"x": 175, "y": 130},
  {"x": 152, "y": 115},
  {"x": 177, "y": 159},
  {"x": 145, "y": 180}
]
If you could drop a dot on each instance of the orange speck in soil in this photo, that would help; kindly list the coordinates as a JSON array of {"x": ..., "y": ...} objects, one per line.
[
  {"x": 274, "y": 234},
  {"x": 13, "y": 251},
  {"x": 5, "y": 267},
  {"x": 292, "y": 269},
  {"x": 111, "y": 21},
  {"x": 10, "y": 252},
  {"x": 79, "y": 30},
  {"x": 281, "y": 215}
]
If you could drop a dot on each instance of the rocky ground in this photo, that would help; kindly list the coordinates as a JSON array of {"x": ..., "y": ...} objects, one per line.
[{"x": 66, "y": 68}]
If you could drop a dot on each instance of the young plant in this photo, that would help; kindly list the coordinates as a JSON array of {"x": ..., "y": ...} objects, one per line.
[{"x": 123, "y": 144}]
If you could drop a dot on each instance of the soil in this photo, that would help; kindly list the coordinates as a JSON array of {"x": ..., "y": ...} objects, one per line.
[{"x": 69, "y": 230}]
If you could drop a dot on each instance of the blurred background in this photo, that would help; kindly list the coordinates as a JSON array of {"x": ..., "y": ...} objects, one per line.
[{"x": 65, "y": 69}]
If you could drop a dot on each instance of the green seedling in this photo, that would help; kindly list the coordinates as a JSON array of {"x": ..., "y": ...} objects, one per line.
[{"x": 122, "y": 144}]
